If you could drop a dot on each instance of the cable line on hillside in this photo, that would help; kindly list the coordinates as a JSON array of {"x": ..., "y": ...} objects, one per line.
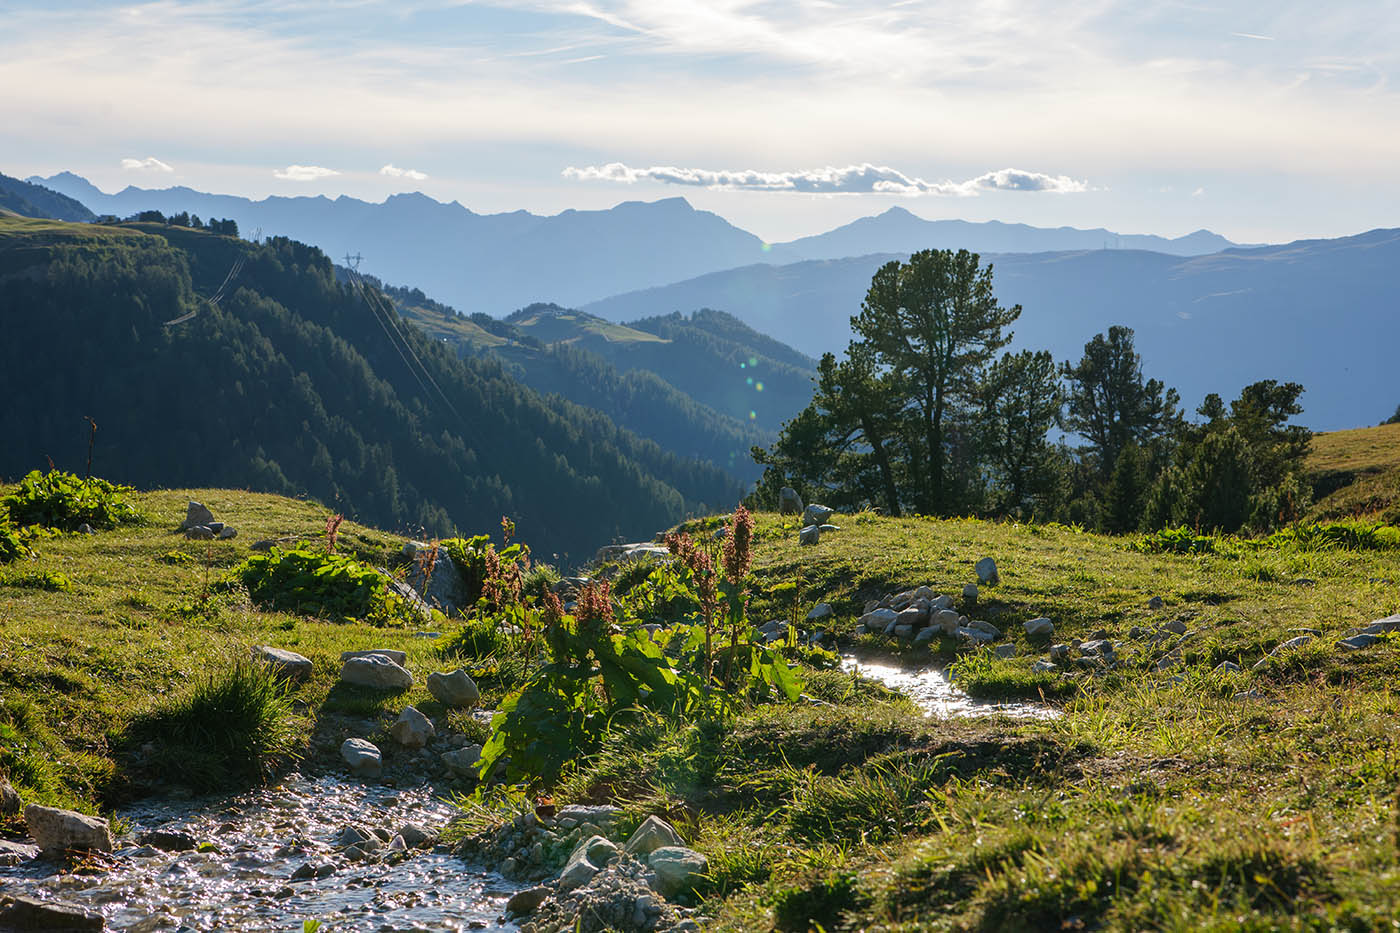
[
  {"x": 233, "y": 272},
  {"x": 381, "y": 311}
]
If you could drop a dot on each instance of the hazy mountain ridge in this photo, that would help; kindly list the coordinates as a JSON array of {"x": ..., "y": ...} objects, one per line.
[
  {"x": 495, "y": 263},
  {"x": 1320, "y": 312},
  {"x": 28, "y": 199}
]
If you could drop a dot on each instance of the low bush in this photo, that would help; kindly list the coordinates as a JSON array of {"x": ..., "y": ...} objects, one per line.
[
  {"x": 310, "y": 581},
  {"x": 11, "y": 548},
  {"x": 62, "y": 500},
  {"x": 233, "y": 728}
]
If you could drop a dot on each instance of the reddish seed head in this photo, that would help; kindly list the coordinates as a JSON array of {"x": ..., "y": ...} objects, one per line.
[{"x": 738, "y": 545}]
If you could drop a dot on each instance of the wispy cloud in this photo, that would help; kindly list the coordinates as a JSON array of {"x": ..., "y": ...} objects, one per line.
[
  {"x": 1252, "y": 35},
  {"x": 393, "y": 171},
  {"x": 148, "y": 164},
  {"x": 304, "y": 173},
  {"x": 851, "y": 179}
]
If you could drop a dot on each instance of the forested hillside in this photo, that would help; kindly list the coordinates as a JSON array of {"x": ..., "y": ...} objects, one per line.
[{"x": 290, "y": 383}]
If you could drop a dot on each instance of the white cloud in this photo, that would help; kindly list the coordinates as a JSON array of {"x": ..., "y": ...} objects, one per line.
[
  {"x": 150, "y": 163},
  {"x": 852, "y": 179},
  {"x": 304, "y": 173},
  {"x": 393, "y": 171}
]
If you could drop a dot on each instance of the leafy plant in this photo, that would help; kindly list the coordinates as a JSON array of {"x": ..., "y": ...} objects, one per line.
[
  {"x": 318, "y": 583},
  {"x": 62, "y": 500},
  {"x": 53, "y": 581},
  {"x": 11, "y": 548},
  {"x": 1175, "y": 541}
]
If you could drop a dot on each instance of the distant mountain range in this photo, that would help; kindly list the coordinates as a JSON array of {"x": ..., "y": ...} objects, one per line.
[
  {"x": 27, "y": 199},
  {"x": 1325, "y": 313},
  {"x": 497, "y": 263}
]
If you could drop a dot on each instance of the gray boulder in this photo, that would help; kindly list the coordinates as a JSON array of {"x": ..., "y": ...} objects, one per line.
[
  {"x": 946, "y": 620},
  {"x": 1382, "y": 626},
  {"x": 677, "y": 868},
  {"x": 970, "y": 592},
  {"x": 1043, "y": 667},
  {"x": 652, "y": 835},
  {"x": 877, "y": 620},
  {"x": 227, "y": 532},
  {"x": 987, "y": 571},
  {"x": 1006, "y": 651},
  {"x": 1041, "y": 626},
  {"x": 377, "y": 672},
  {"x": 789, "y": 502},
  {"x": 463, "y": 762},
  {"x": 1357, "y": 642},
  {"x": 454, "y": 690},
  {"x": 196, "y": 515},
  {"x": 526, "y": 902},
  {"x": 9, "y": 799},
  {"x": 819, "y": 612},
  {"x": 199, "y": 533},
  {"x": 435, "y": 577},
  {"x": 393, "y": 654},
  {"x": 604, "y": 816},
  {"x": 985, "y": 627},
  {"x": 816, "y": 514},
  {"x": 13, "y": 853},
  {"x": 363, "y": 758},
  {"x": 1289, "y": 645},
  {"x": 64, "y": 830},
  {"x": 285, "y": 664},
  {"x": 1227, "y": 667},
  {"x": 29, "y": 913},
  {"x": 412, "y": 729},
  {"x": 809, "y": 535},
  {"x": 586, "y": 861}
]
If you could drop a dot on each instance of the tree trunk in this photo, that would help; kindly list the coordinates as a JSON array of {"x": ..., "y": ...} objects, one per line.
[{"x": 882, "y": 459}]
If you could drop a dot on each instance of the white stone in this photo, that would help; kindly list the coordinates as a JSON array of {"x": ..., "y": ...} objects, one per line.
[
  {"x": 412, "y": 729},
  {"x": 376, "y": 671},
  {"x": 652, "y": 835},
  {"x": 820, "y": 611},
  {"x": 58, "y": 830},
  {"x": 809, "y": 535},
  {"x": 363, "y": 758},
  {"x": 455, "y": 689},
  {"x": 816, "y": 514},
  {"x": 285, "y": 664},
  {"x": 1041, "y": 626},
  {"x": 393, "y": 654}
]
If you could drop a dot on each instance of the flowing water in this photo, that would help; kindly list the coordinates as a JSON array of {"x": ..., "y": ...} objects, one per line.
[
  {"x": 262, "y": 838},
  {"x": 933, "y": 690}
]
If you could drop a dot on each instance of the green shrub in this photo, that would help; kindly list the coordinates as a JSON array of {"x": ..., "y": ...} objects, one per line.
[
  {"x": 11, "y": 548},
  {"x": 1347, "y": 536},
  {"x": 52, "y": 581},
  {"x": 233, "y": 728},
  {"x": 1175, "y": 541},
  {"x": 62, "y": 500},
  {"x": 307, "y": 580}
]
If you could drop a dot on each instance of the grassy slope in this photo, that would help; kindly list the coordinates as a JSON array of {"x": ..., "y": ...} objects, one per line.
[
  {"x": 126, "y": 636},
  {"x": 1147, "y": 805},
  {"x": 1357, "y": 473}
]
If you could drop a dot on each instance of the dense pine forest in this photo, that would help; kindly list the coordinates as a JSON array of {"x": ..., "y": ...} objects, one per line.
[{"x": 293, "y": 382}]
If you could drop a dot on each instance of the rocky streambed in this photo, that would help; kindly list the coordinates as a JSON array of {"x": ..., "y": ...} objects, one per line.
[
  {"x": 934, "y": 691},
  {"x": 348, "y": 855}
]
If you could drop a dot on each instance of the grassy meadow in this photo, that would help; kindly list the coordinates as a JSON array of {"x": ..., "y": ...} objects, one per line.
[{"x": 1177, "y": 799}]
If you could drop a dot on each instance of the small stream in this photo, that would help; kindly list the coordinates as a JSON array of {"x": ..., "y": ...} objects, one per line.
[
  {"x": 262, "y": 838},
  {"x": 935, "y": 693}
]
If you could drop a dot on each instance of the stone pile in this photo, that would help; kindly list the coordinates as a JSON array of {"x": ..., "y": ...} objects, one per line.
[
  {"x": 920, "y": 615},
  {"x": 591, "y": 871},
  {"x": 199, "y": 524}
]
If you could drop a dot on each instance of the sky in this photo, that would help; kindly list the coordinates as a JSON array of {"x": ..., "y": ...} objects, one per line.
[{"x": 1265, "y": 122}]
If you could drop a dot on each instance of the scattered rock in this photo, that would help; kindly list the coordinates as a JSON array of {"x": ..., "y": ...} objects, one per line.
[
  {"x": 1292, "y": 643},
  {"x": 580, "y": 868},
  {"x": 970, "y": 592},
  {"x": 987, "y": 571},
  {"x": 816, "y": 514},
  {"x": 985, "y": 627},
  {"x": 1006, "y": 651},
  {"x": 412, "y": 729},
  {"x": 308, "y": 870},
  {"x": 463, "y": 762},
  {"x": 809, "y": 535},
  {"x": 789, "y": 502},
  {"x": 1175, "y": 626},
  {"x": 86, "y": 529},
  {"x": 1382, "y": 626},
  {"x": 169, "y": 840},
  {"x": 435, "y": 577},
  {"x": 1227, "y": 667},
  {"x": 363, "y": 758},
  {"x": 1059, "y": 652},
  {"x": 196, "y": 515},
  {"x": 523, "y": 903},
  {"x": 414, "y": 835},
  {"x": 27, "y": 913},
  {"x": 604, "y": 816},
  {"x": 819, "y": 612},
  {"x": 1040, "y": 627},
  {"x": 455, "y": 690},
  {"x": 653, "y": 834},
  {"x": 377, "y": 671},
  {"x": 1043, "y": 667},
  {"x": 9, "y": 799},
  {"x": 1357, "y": 642},
  {"x": 1156, "y": 603},
  {"x": 13, "y": 853},
  {"x": 199, "y": 533},
  {"x": 393, "y": 654},
  {"x": 677, "y": 867},
  {"x": 64, "y": 830},
  {"x": 285, "y": 664},
  {"x": 227, "y": 532}
]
